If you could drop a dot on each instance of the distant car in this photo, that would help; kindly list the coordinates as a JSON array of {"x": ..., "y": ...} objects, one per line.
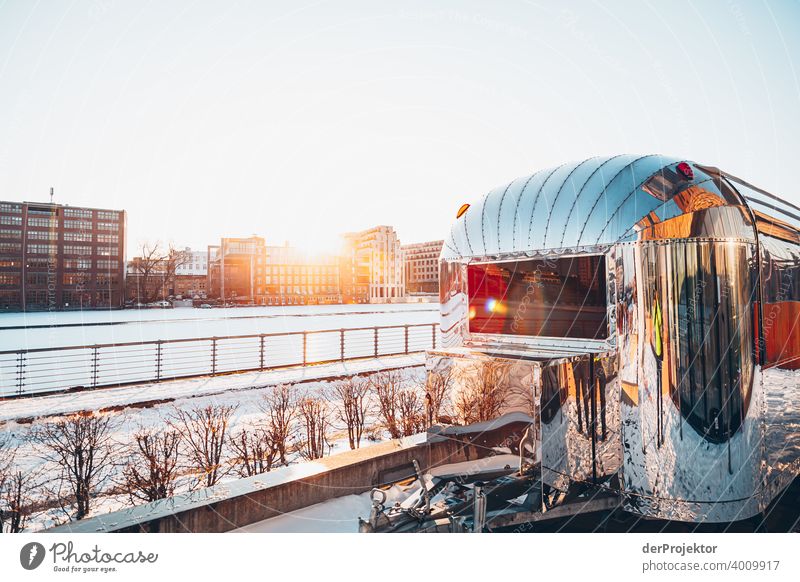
[
  {"x": 205, "y": 306},
  {"x": 162, "y": 304}
]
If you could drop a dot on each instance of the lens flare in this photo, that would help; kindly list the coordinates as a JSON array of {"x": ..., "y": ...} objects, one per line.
[{"x": 495, "y": 306}]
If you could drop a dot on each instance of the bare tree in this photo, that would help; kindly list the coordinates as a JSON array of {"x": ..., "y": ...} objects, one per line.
[
  {"x": 412, "y": 412},
  {"x": 350, "y": 399},
  {"x": 152, "y": 466},
  {"x": 16, "y": 501},
  {"x": 280, "y": 405},
  {"x": 484, "y": 393},
  {"x": 387, "y": 386},
  {"x": 255, "y": 450},
  {"x": 437, "y": 393},
  {"x": 81, "y": 447},
  {"x": 153, "y": 271},
  {"x": 314, "y": 416},
  {"x": 203, "y": 433},
  {"x": 13, "y": 489},
  {"x": 7, "y": 455}
]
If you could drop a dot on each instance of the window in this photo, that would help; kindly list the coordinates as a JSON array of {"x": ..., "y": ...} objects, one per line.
[
  {"x": 107, "y": 264},
  {"x": 40, "y": 263},
  {"x": 107, "y": 226},
  {"x": 11, "y": 220},
  {"x": 10, "y": 207},
  {"x": 78, "y": 236},
  {"x": 108, "y": 238},
  {"x": 10, "y": 233},
  {"x": 44, "y": 222},
  {"x": 76, "y": 278},
  {"x": 551, "y": 298},
  {"x": 42, "y": 235},
  {"x": 78, "y": 212},
  {"x": 36, "y": 249},
  {"x": 9, "y": 279},
  {"x": 107, "y": 215},
  {"x": 78, "y": 224},
  {"x": 37, "y": 279},
  {"x": 82, "y": 264},
  {"x": 106, "y": 251},
  {"x": 10, "y": 298},
  {"x": 77, "y": 250}
]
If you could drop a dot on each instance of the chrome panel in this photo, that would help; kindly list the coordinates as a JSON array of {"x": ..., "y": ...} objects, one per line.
[{"x": 580, "y": 422}]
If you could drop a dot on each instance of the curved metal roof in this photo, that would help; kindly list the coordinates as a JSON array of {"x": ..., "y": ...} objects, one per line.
[{"x": 593, "y": 203}]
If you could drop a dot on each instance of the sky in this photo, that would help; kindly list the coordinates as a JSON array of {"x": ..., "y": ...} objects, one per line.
[{"x": 298, "y": 120}]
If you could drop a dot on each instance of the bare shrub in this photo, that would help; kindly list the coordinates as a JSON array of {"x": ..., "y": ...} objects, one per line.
[
  {"x": 315, "y": 420},
  {"x": 255, "y": 450},
  {"x": 437, "y": 393},
  {"x": 411, "y": 411},
  {"x": 16, "y": 488},
  {"x": 81, "y": 447},
  {"x": 16, "y": 501},
  {"x": 152, "y": 465},
  {"x": 7, "y": 454},
  {"x": 280, "y": 406},
  {"x": 387, "y": 386},
  {"x": 350, "y": 399},
  {"x": 484, "y": 393},
  {"x": 203, "y": 434}
]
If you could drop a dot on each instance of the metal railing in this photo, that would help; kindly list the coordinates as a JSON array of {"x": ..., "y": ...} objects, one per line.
[{"x": 42, "y": 370}]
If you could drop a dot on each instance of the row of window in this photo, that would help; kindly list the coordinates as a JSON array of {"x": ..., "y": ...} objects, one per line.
[
  {"x": 53, "y": 235},
  {"x": 74, "y": 264},
  {"x": 298, "y": 280},
  {"x": 297, "y": 290},
  {"x": 53, "y": 223},
  {"x": 52, "y": 249}
]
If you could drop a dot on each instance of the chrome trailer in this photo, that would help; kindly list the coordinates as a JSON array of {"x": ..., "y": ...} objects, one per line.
[{"x": 644, "y": 312}]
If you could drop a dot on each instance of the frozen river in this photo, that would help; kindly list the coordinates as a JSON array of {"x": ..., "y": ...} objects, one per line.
[
  {"x": 124, "y": 347},
  {"x": 47, "y": 330}
]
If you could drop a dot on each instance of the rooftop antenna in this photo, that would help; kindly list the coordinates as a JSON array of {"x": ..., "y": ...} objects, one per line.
[{"x": 51, "y": 194}]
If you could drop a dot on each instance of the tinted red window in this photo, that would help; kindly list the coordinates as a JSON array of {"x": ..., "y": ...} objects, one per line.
[{"x": 552, "y": 298}]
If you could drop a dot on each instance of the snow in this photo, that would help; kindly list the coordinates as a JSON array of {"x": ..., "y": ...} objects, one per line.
[
  {"x": 339, "y": 515},
  {"x": 244, "y": 391},
  {"x": 484, "y": 464},
  {"x": 103, "y": 398},
  {"x": 53, "y": 329}
]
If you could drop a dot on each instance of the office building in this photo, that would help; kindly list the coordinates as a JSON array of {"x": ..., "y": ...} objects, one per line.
[{"x": 54, "y": 257}]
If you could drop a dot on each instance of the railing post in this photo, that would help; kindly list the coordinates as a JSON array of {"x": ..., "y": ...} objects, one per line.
[
  {"x": 94, "y": 366},
  {"x": 433, "y": 336},
  {"x": 341, "y": 344},
  {"x": 20, "y": 372},
  {"x": 305, "y": 347},
  {"x": 261, "y": 352},
  {"x": 158, "y": 360},
  {"x": 376, "y": 342},
  {"x": 406, "y": 339},
  {"x": 213, "y": 356}
]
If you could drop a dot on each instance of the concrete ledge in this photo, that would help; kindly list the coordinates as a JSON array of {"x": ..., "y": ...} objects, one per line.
[{"x": 239, "y": 503}]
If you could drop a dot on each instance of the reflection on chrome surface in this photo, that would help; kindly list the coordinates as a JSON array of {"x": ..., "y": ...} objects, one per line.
[{"x": 645, "y": 312}]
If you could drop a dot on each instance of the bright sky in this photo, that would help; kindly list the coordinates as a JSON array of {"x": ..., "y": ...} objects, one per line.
[{"x": 300, "y": 120}]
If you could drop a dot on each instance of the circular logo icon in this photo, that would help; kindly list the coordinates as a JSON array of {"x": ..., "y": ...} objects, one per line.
[{"x": 31, "y": 555}]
